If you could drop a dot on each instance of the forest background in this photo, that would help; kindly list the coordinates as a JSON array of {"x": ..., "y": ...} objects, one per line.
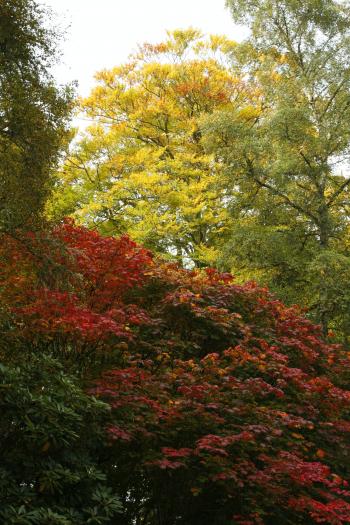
[{"x": 131, "y": 358}]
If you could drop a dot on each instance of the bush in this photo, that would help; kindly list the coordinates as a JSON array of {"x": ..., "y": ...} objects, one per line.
[
  {"x": 227, "y": 407},
  {"x": 50, "y": 440}
]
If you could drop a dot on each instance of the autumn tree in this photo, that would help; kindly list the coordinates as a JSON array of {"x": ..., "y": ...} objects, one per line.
[
  {"x": 141, "y": 167},
  {"x": 226, "y": 406},
  {"x": 33, "y": 111},
  {"x": 290, "y": 158}
]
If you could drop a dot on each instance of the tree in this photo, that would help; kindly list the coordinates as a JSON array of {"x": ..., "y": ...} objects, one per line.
[
  {"x": 225, "y": 405},
  {"x": 141, "y": 167},
  {"x": 65, "y": 291},
  {"x": 33, "y": 112},
  {"x": 290, "y": 158}
]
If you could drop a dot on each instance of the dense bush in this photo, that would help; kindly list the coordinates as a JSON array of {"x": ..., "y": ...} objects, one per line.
[
  {"x": 226, "y": 406},
  {"x": 50, "y": 442}
]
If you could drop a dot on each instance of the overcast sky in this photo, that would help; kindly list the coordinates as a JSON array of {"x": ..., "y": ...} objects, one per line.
[{"x": 102, "y": 33}]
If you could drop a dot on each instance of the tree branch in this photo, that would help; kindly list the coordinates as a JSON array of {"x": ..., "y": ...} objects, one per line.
[
  {"x": 338, "y": 192},
  {"x": 279, "y": 193}
]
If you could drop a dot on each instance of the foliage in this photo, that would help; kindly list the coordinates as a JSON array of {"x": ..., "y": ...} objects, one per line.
[
  {"x": 133, "y": 391},
  {"x": 226, "y": 406},
  {"x": 229, "y": 155},
  {"x": 289, "y": 159},
  {"x": 141, "y": 167},
  {"x": 33, "y": 112},
  {"x": 228, "y": 413},
  {"x": 66, "y": 284},
  {"x": 51, "y": 435},
  {"x": 216, "y": 402}
]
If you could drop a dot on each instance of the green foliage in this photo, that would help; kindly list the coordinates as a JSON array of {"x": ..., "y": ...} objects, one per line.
[
  {"x": 50, "y": 441},
  {"x": 269, "y": 19},
  {"x": 33, "y": 112},
  {"x": 329, "y": 286},
  {"x": 288, "y": 160}
]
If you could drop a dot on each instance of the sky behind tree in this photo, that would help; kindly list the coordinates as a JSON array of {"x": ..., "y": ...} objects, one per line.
[{"x": 102, "y": 34}]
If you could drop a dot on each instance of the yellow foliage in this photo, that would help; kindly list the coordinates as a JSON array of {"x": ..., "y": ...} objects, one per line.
[{"x": 142, "y": 168}]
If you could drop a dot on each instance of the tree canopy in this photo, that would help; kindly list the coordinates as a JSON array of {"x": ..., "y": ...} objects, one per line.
[
  {"x": 225, "y": 405},
  {"x": 141, "y": 167},
  {"x": 291, "y": 160},
  {"x": 139, "y": 385},
  {"x": 230, "y": 155},
  {"x": 33, "y": 112}
]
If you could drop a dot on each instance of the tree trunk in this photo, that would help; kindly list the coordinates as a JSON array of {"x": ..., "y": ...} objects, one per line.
[{"x": 324, "y": 236}]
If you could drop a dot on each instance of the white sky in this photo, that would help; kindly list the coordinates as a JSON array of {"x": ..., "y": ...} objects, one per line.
[{"x": 103, "y": 33}]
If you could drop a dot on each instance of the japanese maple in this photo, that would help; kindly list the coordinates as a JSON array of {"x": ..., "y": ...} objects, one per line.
[{"x": 227, "y": 407}]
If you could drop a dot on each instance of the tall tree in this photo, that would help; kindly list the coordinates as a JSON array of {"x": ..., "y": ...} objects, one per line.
[
  {"x": 289, "y": 159},
  {"x": 141, "y": 167},
  {"x": 33, "y": 111}
]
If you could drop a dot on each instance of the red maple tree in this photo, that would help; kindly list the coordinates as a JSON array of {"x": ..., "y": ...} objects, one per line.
[{"x": 226, "y": 405}]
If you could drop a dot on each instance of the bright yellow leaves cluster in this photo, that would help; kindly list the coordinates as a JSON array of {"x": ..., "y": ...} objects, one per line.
[{"x": 141, "y": 167}]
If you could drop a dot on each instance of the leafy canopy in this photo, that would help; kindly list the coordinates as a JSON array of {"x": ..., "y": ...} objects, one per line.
[
  {"x": 33, "y": 112},
  {"x": 289, "y": 160},
  {"x": 226, "y": 406},
  {"x": 141, "y": 167}
]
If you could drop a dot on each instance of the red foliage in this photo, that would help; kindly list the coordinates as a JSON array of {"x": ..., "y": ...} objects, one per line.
[
  {"x": 232, "y": 398},
  {"x": 75, "y": 286},
  {"x": 226, "y": 397}
]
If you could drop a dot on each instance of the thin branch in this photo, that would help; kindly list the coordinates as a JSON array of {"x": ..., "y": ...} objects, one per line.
[
  {"x": 279, "y": 193},
  {"x": 338, "y": 192}
]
